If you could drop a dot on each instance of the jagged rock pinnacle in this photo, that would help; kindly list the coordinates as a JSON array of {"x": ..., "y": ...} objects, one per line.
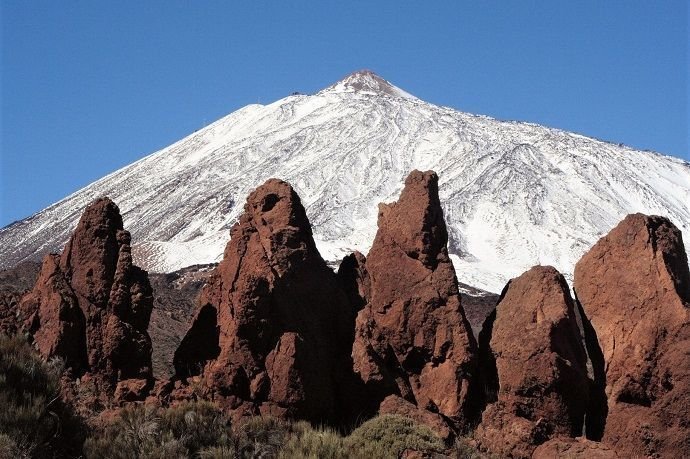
[
  {"x": 273, "y": 330},
  {"x": 413, "y": 315}
]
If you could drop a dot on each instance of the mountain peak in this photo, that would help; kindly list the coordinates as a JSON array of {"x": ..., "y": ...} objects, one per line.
[
  {"x": 366, "y": 82},
  {"x": 500, "y": 184}
]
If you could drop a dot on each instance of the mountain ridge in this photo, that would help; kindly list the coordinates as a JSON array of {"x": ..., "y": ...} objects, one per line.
[{"x": 514, "y": 194}]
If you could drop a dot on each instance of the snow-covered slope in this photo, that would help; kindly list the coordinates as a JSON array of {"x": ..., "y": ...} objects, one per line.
[{"x": 515, "y": 194}]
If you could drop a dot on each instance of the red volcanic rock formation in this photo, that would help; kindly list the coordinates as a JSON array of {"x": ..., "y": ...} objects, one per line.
[
  {"x": 535, "y": 366},
  {"x": 273, "y": 331},
  {"x": 14, "y": 284},
  {"x": 634, "y": 286},
  {"x": 394, "y": 404},
  {"x": 412, "y": 338},
  {"x": 91, "y": 306}
]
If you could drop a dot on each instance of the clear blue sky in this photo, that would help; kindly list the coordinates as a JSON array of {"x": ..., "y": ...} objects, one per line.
[{"x": 88, "y": 87}]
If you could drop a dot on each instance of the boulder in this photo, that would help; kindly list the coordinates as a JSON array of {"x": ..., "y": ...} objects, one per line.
[
  {"x": 634, "y": 286},
  {"x": 573, "y": 448},
  {"x": 273, "y": 329},
  {"x": 534, "y": 365},
  {"x": 132, "y": 390},
  {"x": 394, "y": 404},
  {"x": 412, "y": 338}
]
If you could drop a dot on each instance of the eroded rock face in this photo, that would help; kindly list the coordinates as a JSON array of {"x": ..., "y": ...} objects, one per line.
[
  {"x": 354, "y": 279},
  {"x": 534, "y": 364},
  {"x": 273, "y": 330},
  {"x": 14, "y": 284},
  {"x": 573, "y": 448},
  {"x": 91, "y": 306},
  {"x": 634, "y": 286},
  {"x": 412, "y": 338},
  {"x": 394, "y": 404}
]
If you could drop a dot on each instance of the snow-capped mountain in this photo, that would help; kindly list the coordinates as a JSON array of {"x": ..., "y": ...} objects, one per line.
[{"x": 515, "y": 194}]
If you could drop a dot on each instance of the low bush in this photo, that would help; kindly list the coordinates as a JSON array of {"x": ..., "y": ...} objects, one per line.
[
  {"x": 200, "y": 430},
  {"x": 34, "y": 421},
  {"x": 307, "y": 442},
  {"x": 260, "y": 437},
  {"x": 8, "y": 447},
  {"x": 152, "y": 432},
  {"x": 388, "y": 435},
  {"x": 218, "y": 452},
  {"x": 197, "y": 425}
]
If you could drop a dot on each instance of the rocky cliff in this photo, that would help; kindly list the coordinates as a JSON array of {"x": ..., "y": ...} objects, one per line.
[
  {"x": 91, "y": 306},
  {"x": 411, "y": 338},
  {"x": 534, "y": 365},
  {"x": 273, "y": 330},
  {"x": 634, "y": 286}
]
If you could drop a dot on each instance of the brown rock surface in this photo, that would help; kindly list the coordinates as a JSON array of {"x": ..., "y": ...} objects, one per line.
[
  {"x": 394, "y": 404},
  {"x": 91, "y": 305},
  {"x": 273, "y": 330},
  {"x": 634, "y": 286},
  {"x": 176, "y": 296},
  {"x": 131, "y": 390},
  {"x": 573, "y": 448},
  {"x": 478, "y": 305},
  {"x": 412, "y": 338},
  {"x": 14, "y": 283},
  {"x": 534, "y": 366}
]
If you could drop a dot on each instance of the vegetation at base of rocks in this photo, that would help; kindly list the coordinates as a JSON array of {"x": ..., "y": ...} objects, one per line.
[
  {"x": 154, "y": 432},
  {"x": 388, "y": 435},
  {"x": 200, "y": 430},
  {"x": 307, "y": 442},
  {"x": 463, "y": 450},
  {"x": 34, "y": 421}
]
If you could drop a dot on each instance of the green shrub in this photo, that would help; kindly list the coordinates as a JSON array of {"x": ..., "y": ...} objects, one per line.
[
  {"x": 34, "y": 421},
  {"x": 386, "y": 436},
  {"x": 8, "y": 448},
  {"x": 199, "y": 430},
  {"x": 218, "y": 452},
  {"x": 136, "y": 433},
  {"x": 153, "y": 432},
  {"x": 306, "y": 442},
  {"x": 197, "y": 425},
  {"x": 260, "y": 437}
]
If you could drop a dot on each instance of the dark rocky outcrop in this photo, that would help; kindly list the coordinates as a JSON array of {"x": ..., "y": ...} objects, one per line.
[
  {"x": 354, "y": 279},
  {"x": 273, "y": 329},
  {"x": 478, "y": 305},
  {"x": 634, "y": 287},
  {"x": 14, "y": 283},
  {"x": 91, "y": 306},
  {"x": 534, "y": 366},
  {"x": 175, "y": 298},
  {"x": 411, "y": 338},
  {"x": 394, "y": 404}
]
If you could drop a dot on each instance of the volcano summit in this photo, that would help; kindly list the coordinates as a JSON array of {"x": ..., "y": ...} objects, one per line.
[{"x": 514, "y": 194}]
